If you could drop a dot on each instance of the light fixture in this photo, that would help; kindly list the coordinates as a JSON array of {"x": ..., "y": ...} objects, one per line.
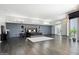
[
  {"x": 29, "y": 30},
  {"x": 34, "y": 30},
  {"x": 46, "y": 23}
]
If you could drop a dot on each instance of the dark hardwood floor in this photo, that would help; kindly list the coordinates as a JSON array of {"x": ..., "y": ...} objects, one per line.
[{"x": 58, "y": 46}]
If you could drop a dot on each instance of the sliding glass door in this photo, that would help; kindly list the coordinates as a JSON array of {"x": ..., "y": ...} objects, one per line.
[{"x": 73, "y": 28}]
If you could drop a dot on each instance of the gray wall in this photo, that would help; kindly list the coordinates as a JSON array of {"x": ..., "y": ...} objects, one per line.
[
  {"x": 45, "y": 29},
  {"x": 15, "y": 29},
  {"x": 53, "y": 29}
]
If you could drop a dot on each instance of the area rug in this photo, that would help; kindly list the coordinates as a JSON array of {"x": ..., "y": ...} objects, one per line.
[{"x": 38, "y": 39}]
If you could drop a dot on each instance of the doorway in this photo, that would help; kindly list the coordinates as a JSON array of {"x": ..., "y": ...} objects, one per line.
[{"x": 58, "y": 29}]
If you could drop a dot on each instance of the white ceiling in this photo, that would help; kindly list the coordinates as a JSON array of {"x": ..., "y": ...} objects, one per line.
[{"x": 42, "y": 11}]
